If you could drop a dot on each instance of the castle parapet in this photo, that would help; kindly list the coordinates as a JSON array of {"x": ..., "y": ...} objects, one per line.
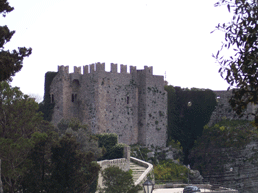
[
  {"x": 113, "y": 68},
  {"x": 85, "y": 69},
  {"x": 132, "y": 69},
  {"x": 123, "y": 68},
  {"x": 149, "y": 70},
  {"x": 77, "y": 70},
  {"x": 100, "y": 67},
  {"x": 92, "y": 68},
  {"x": 64, "y": 69}
]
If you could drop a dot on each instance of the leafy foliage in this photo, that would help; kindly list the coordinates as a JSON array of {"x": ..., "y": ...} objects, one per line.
[
  {"x": 19, "y": 120},
  {"x": 240, "y": 69},
  {"x": 111, "y": 149},
  {"x": 87, "y": 141},
  {"x": 73, "y": 170},
  {"x": 46, "y": 107},
  {"x": 170, "y": 171},
  {"x": 37, "y": 176},
  {"x": 116, "y": 180},
  {"x": 10, "y": 62},
  {"x": 5, "y": 7},
  {"x": 33, "y": 158},
  {"x": 107, "y": 140},
  {"x": 188, "y": 112},
  {"x": 117, "y": 151}
]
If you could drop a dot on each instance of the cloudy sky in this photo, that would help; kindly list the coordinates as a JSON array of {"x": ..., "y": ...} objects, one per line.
[{"x": 172, "y": 36}]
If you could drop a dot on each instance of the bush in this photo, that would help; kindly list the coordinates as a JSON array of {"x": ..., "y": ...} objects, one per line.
[
  {"x": 118, "y": 181},
  {"x": 107, "y": 140},
  {"x": 116, "y": 151},
  {"x": 170, "y": 171},
  {"x": 111, "y": 149}
]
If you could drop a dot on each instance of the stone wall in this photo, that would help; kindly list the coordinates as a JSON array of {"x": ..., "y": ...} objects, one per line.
[
  {"x": 223, "y": 109},
  {"x": 244, "y": 173},
  {"x": 132, "y": 105}
]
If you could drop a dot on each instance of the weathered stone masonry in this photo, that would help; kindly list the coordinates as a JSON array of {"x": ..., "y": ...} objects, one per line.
[
  {"x": 132, "y": 105},
  {"x": 223, "y": 109}
]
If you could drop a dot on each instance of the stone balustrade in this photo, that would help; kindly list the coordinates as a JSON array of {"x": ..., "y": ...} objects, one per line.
[{"x": 149, "y": 170}]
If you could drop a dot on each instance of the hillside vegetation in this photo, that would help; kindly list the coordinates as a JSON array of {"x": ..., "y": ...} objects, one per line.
[{"x": 189, "y": 110}]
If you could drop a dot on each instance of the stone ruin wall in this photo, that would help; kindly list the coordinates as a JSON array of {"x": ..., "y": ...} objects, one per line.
[
  {"x": 132, "y": 105},
  {"x": 223, "y": 109}
]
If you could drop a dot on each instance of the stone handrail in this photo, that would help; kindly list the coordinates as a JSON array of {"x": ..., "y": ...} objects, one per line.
[
  {"x": 114, "y": 162},
  {"x": 149, "y": 169}
]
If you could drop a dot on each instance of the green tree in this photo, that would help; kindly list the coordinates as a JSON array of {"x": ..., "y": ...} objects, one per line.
[
  {"x": 37, "y": 178},
  {"x": 240, "y": 68},
  {"x": 10, "y": 62},
  {"x": 73, "y": 170},
  {"x": 116, "y": 180},
  {"x": 19, "y": 120}
]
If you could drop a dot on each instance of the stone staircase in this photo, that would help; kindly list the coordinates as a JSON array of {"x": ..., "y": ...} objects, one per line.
[{"x": 137, "y": 170}]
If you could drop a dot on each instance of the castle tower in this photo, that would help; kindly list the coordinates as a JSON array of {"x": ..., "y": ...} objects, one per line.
[{"x": 131, "y": 104}]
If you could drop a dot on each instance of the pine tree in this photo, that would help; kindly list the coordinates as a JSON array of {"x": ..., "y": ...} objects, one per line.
[{"x": 10, "y": 61}]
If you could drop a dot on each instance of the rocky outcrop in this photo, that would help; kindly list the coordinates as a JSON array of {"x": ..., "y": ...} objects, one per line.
[
  {"x": 234, "y": 168},
  {"x": 195, "y": 177}
]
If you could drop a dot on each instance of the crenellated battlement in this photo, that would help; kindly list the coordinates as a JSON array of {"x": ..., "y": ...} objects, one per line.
[
  {"x": 123, "y": 69},
  {"x": 133, "y": 69},
  {"x": 64, "y": 69},
  {"x": 77, "y": 70},
  {"x": 149, "y": 70},
  {"x": 100, "y": 67},
  {"x": 113, "y": 68}
]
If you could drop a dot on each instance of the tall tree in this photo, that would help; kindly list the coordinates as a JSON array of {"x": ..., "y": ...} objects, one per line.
[
  {"x": 73, "y": 170},
  {"x": 37, "y": 178},
  {"x": 19, "y": 120},
  {"x": 10, "y": 61},
  {"x": 240, "y": 68}
]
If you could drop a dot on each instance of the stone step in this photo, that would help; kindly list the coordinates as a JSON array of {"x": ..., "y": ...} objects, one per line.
[{"x": 137, "y": 170}]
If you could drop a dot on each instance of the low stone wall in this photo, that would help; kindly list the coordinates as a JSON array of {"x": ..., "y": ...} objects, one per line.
[
  {"x": 123, "y": 164},
  {"x": 149, "y": 170}
]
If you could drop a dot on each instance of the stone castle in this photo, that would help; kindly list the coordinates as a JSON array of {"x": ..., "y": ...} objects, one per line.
[{"x": 132, "y": 105}]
